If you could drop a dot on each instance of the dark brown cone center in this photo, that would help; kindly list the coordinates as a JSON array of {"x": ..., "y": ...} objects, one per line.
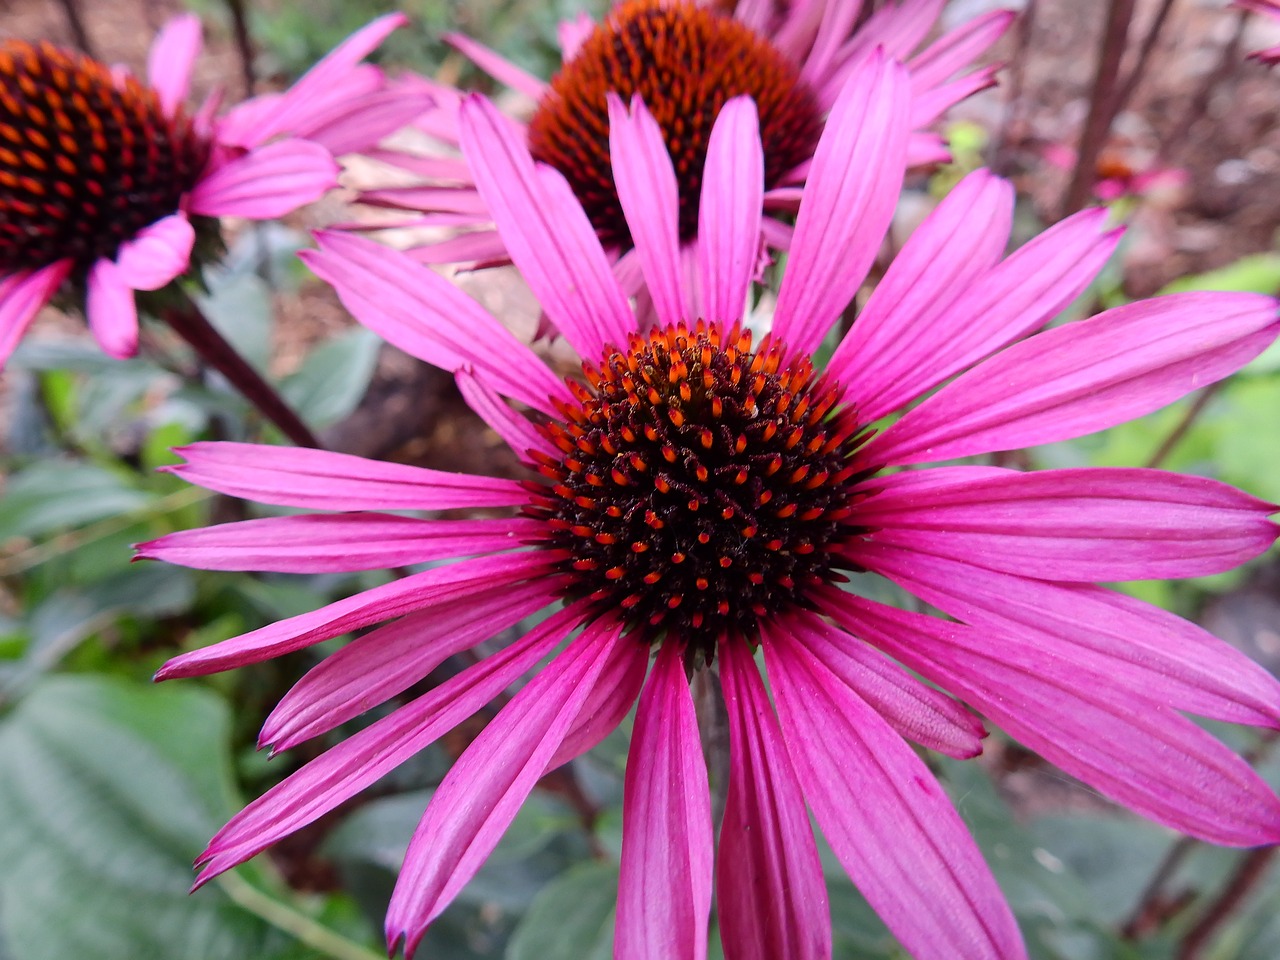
[{"x": 86, "y": 159}]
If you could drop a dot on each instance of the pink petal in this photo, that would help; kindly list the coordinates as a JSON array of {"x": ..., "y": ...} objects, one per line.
[
  {"x": 267, "y": 182},
  {"x": 549, "y": 238},
  {"x": 21, "y": 297},
  {"x": 111, "y": 311},
  {"x": 415, "y": 592},
  {"x": 353, "y": 124},
  {"x": 897, "y": 27},
  {"x": 382, "y": 663},
  {"x": 572, "y": 33},
  {"x": 1020, "y": 295},
  {"x": 770, "y": 891},
  {"x": 514, "y": 428},
  {"x": 343, "y": 771},
  {"x": 956, "y": 50},
  {"x": 172, "y": 57},
  {"x": 729, "y": 212},
  {"x": 608, "y": 703},
  {"x": 849, "y": 201},
  {"x": 895, "y": 832},
  {"x": 157, "y": 254},
  {"x": 459, "y": 199},
  {"x": 476, "y": 247},
  {"x": 1085, "y": 720},
  {"x": 834, "y": 29},
  {"x": 497, "y": 66},
  {"x": 338, "y": 76},
  {"x": 1083, "y": 377},
  {"x": 1088, "y": 524},
  {"x": 328, "y": 543},
  {"x": 917, "y": 712},
  {"x": 433, "y": 167},
  {"x": 959, "y": 242},
  {"x": 664, "y": 888},
  {"x": 1172, "y": 661},
  {"x": 650, "y": 197},
  {"x": 926, "y": 148},
  {"x": 422, "y": 313},
  {"x": 320, "y": 480},
  {"x": 928, "y": 107},
  {"x": 481, "y": 794}
]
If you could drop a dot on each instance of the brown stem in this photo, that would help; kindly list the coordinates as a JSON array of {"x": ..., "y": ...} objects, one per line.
[
  {"x": 1250, "y": 872},
  {"x": 244, "y": 45},
  {"x": 1103, "y": 105},
  {"x": 713, "y": 723},
  {"x": 188, "y": 322},
  {"x": 1186, "y": 423},
  {"x": 81, "y": 35},
  {"x": 1152, "y": 910},
  {"x": 1144, "y": 55},
  {"x": 1148, "y": 914}
]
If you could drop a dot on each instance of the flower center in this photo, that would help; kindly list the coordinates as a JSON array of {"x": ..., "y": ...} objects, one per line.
[
  {"x": 702, "y": 485},
  {"x": 686, "y": 62},
  {"x": 86, "y": 159}
]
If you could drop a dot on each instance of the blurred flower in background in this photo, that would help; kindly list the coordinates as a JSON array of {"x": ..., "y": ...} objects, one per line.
[
  {"x": 108, "y": 186},
  {"x": 686, "y": 61},
  {"x": 701, "y": 496},
  {"x": 1119, "y": 173}
]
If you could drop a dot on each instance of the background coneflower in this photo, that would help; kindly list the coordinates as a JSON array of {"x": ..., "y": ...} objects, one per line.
[
  {"x": 108, "y": 186},
  {"x": 686, "y": 60}
]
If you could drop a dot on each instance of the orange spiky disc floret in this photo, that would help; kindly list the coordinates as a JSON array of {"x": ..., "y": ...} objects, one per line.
[
  {"x": 86, "y": 159},
  {"x": 686, "y": 62},
  {"x": 701, "y": 484}
]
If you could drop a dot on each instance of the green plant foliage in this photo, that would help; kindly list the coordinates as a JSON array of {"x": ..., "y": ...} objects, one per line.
[
  {"x": 571, "y": 917},
  {"x": 107, "y": 792}
]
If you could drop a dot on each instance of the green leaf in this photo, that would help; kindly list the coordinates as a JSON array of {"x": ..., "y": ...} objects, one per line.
[
  {"x": 1114, "y": 857},
  {"x": 1256, "y": 273},
  {"x": 334, "y": 377},
  {"x": 60, "y": 622},
  {"x": 239, "y": 306},
  {"x": 573, "y": 917},
  {"x": 54, "y": 495},
  {"x": 107, "y": 791}
]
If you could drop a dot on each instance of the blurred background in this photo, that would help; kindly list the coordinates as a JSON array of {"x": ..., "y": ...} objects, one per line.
[{"x": 109, "y": 785}]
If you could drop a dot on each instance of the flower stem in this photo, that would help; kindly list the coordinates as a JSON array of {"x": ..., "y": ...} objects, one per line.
[
  {"x": 1153, "y": 908},
  {"x": 244, "y": 45},
  {"x": 1144, "y": 55},
  {"x": 72, "y": 9},
  {"x": 713, "y": 723},
  {"x": 188, "y": 322},
  {"x": 310, "y": 932},
  {"x": 1185, "y": 424},
  {"x": 1250, "y": 871},
  {"x": 1103, "y": 105}
]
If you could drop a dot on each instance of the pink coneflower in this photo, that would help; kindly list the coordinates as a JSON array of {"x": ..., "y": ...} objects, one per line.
[
  {"x": 686, "y": 60},
  {"x": 1268, "y": 8},
  {"x": 107, "y": 184},
  {"x": 701, "y": 496}
]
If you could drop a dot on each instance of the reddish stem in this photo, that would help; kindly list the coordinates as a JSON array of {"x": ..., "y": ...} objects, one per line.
[
  {"x": 78, "y": 31},
  {"x": 244, "y": 46},
  {"x": 1103, "y": 105},
  {"x": 1249, "y": 873},
  {"x": 194, "y": 327}
]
